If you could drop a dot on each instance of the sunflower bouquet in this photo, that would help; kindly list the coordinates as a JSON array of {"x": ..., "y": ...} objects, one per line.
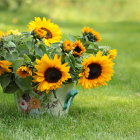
[{"x": 34, "y": 65}]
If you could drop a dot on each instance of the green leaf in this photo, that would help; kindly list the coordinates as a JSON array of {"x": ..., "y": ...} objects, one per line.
[
  {"x": 11, "y": 88},
  {"x": 23, "y": 48},
  {"x": 56, "y": 44},
  {"x": 38, "y": 51},
  {"x": 72, "y": 38},
  {"x": 26, "y": 33},
  {"x": 70, "y": 62},
  {"x": 8, "y": 38},
  {"x": 12, "y": 56},
  {"x": 15, "y": 55},
  {"x": 96, "y": 45},
  {"x": 91, "y": 51},
  {"x": 27, "y": 59},
  {"x": 24, "y": 83},
  {"x": 79, "y": 66},
  {"x": 29, "y": 45},
  {"x": 104, "y": 47},
  {"x": 43, "y": 48},
  {"x": 5, "y": 79},
  {"x": 78, "y": 60},
  {"x": 52, "y": 52},
  {"x": 2, "y": 53},
  {"x": 17, "y": 63},
  {"x": 11, "y": 44},
  {"x": 72, "y": 59}
]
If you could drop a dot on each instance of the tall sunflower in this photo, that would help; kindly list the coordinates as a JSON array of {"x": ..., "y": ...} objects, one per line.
[
  {"x": 91, "y": 34},
  {"x": 112, "y": 54},
  {"x": 24, "y": 71},
  {"x": 97, "y": 71},
  {"x": 4, "y": 66},
  {"x": 52, "y": 31},
  {"x": 79, "y": 49},
  {"x": 50, "y": 73},
  {"x": 67, "y": 45}
]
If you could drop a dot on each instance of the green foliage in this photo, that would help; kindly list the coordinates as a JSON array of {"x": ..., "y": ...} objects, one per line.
[
  {"x": 5, "y": 80},
  {"x": 16, "y": 49},
  {"x": 24, "y": 83},
  {"x": 25, "y": 48},
  {"x": 8, "y": 83},
  {"x": 11, "y": 87},
  {"x": 107, "y": 113}
]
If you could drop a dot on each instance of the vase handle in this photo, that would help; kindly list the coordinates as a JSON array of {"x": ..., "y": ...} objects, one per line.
[{"x": 70, "y": 96}]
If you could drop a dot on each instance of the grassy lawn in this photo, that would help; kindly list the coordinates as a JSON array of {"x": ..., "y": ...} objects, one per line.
[{"x": 106, "y": 113}]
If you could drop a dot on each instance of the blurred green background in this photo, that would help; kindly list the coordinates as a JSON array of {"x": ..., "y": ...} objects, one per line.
[
  {"x": 106, "y": 113},
  {"x": 17, "y": 13}
]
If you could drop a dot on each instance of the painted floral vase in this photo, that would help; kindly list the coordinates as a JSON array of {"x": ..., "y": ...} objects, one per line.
[{"x": 56, "y": 103}]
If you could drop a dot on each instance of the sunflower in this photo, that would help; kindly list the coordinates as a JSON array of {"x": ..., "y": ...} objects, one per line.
[
  {"x": 12, "y": 32},
  {"x": 112, "y": 54},
  {"x": 24, "y": 71},
  {"x": 1, "y": 34},
  {"x": 53, "y": 32},
  {"x": 91, "y": 34},
  {"x": 79, "y": 49},
  {"x": 68, "y": 45},
  {"x": 34, "y": 103},
  {"x": 4, "y": 66},
  {"x": 40, "y": 33},
  {"x": 97, "y": 71},
  {"x": 50, "y": 73}
]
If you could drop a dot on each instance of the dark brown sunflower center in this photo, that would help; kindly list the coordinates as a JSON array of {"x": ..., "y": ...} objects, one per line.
[
  {"x": 24, "y": 72},
  {"x": 53, "y": 75},
  {"x": 77, "y": 49},
  {"x": 68, "y": 44},
  {"x": 49, "y": 34},
  {"x": 95, "y": 71},
  {"x": 1, "y": 68}
]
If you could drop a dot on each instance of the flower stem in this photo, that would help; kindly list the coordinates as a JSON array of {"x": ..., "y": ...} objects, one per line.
[{"x": 54, "y": 93}]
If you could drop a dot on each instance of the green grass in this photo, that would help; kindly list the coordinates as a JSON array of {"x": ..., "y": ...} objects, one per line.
[
  {"x": 106, "y": 113},
  {"x": 93, "y": 116}
]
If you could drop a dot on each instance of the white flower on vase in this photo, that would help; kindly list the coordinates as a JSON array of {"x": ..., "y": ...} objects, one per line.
[{"x": 23, "y": 105}]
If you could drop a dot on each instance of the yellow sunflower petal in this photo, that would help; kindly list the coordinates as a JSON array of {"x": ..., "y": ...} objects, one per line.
[
  {"x": 24, "y": 72},
  {"x": 79, "y": 49},
  {"x": 97, "y": 71},
  {"x": 112, "y": 54},
  {"x": 53, "y": 32},
  {"x": 50, "y": 73},
  {"x": 4, "y": 66}
]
